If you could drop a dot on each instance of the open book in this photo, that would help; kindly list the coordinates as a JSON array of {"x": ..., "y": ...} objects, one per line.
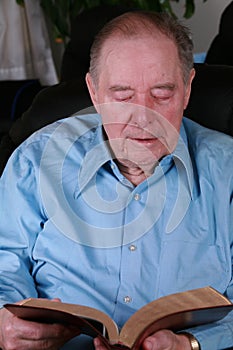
[{"x": 175, "y": 312}]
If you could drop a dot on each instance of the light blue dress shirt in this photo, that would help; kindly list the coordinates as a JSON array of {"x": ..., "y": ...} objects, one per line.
[{"x": 72, "y": 226}]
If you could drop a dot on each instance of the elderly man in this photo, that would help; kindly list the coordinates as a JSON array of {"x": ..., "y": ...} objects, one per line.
[{"x": 118, "y": 208}]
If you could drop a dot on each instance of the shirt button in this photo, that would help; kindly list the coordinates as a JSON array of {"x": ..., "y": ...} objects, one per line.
[
  {"x": 137, "y": 196},
  {"x": 132, "y": 248},
  {"x": 127, "y": 299}
]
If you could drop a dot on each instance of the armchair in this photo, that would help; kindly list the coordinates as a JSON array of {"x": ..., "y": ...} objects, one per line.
[
  {"x": 211, "y": 105},
  {"x": 211, "y": 100}
]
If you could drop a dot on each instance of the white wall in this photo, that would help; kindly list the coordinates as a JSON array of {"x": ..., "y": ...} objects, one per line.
[{"x": 205, "y": 21}]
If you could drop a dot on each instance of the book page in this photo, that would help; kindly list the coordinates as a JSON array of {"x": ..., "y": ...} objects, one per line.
[
  {"x": 175, "y": 312},
  {"x": 89, "y": 320}
]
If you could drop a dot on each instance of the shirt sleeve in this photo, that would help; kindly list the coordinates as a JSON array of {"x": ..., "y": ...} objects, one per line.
[
  {"x": 21, "y": 219},
  {"x": 219, "y": 335}
]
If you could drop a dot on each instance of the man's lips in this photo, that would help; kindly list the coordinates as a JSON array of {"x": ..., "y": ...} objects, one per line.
[{"x": 145, "y": 141}]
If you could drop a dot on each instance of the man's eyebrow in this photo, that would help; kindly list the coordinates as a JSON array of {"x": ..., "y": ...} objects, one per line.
[
  {"x": 167, "y": 86},
  {"x": 162, "y": 86},
  {"x": 120, "y": 88}
]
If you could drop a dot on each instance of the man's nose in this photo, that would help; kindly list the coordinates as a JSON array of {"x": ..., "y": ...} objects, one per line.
[
  {"x": 143, "y": 113},
  {"x": 144, "y": 100}
]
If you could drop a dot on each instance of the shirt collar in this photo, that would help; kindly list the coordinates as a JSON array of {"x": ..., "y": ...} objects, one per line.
[
  {"x": 97, "y": 156},
  {"x": 183, "y": 161},
  {"x": 101, "y": 153}
]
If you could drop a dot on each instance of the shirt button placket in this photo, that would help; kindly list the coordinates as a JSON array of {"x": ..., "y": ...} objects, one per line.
[{"x": 127, "y": 299}]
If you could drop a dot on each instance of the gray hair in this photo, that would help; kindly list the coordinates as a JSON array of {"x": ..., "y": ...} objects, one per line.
[{"x": 136, "y": 23}]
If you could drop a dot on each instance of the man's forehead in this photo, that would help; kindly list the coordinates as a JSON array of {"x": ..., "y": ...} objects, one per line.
[{"x": 118, "y": 42}]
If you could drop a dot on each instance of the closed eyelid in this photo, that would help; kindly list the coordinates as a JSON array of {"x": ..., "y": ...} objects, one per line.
[
  {"x": 122, "y": 93},
  {"x": 163, "y": 90}
]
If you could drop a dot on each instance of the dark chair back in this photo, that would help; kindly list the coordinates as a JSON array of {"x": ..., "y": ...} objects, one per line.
[
  {"x": 211, "y": 105},
  {"x": 211, "y": 100}
]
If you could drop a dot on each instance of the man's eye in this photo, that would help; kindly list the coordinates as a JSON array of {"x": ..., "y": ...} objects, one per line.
[
  {"x": 162, "y": 96},
  {"x": 122, "y": 96}
]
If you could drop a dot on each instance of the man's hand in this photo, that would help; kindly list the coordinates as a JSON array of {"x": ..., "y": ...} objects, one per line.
[
  {"x": 166, "y": 340},
  {"x": 18, "y": 334},
  {"x": 161, "y": 340}
]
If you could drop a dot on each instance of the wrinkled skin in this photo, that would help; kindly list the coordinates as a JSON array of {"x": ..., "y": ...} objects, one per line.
[
  {"x": 18, "y": 334},
  {"x": 162, "y": 340},
  {"x": 141, "y": 96}
]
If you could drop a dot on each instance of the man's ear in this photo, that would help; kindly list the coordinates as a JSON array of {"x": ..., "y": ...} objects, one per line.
[
  {"x": 92, "y": 90},
  {"x": 188, "y": 87}
]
